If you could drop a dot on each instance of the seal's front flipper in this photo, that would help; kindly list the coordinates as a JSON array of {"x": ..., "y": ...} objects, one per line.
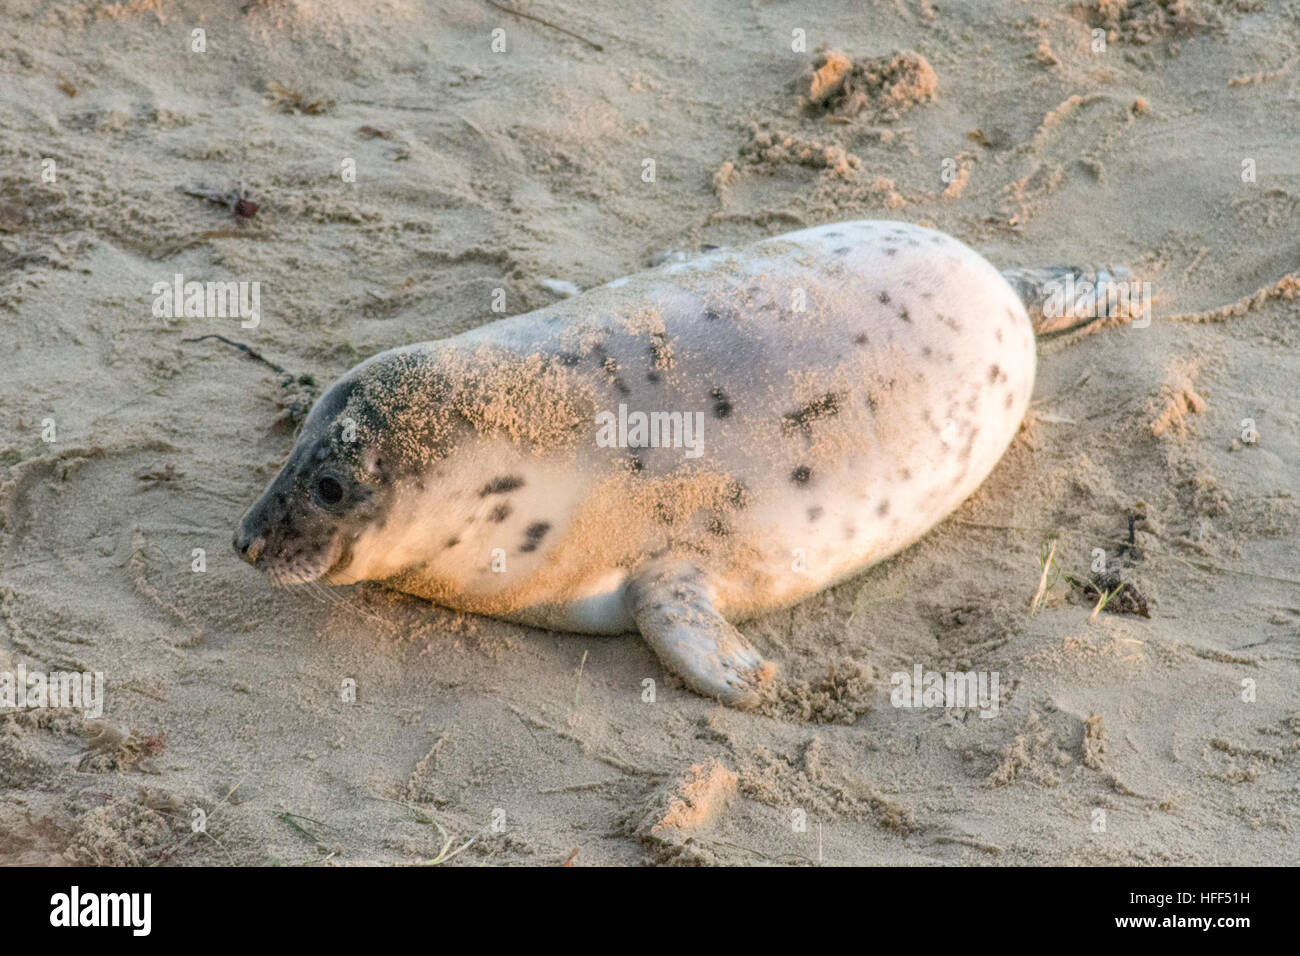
[{"x": 673, "y": 607}]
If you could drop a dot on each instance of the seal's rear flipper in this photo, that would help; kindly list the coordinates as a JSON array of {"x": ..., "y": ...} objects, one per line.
[
  {"x": 1061, "y": 299},
  {"x": 673, "y": 607}
]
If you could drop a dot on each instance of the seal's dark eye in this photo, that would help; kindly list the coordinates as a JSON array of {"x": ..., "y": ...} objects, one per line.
[{"x": 328, "y": 490}]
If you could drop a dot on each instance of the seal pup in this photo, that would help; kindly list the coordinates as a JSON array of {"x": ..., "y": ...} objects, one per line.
[{"x": 672, "y": 451}]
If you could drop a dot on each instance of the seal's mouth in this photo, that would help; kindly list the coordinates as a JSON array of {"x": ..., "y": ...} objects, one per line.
[
  {"x": 287, "y": 566},
  {"x": 342, "y": 557},
  {"x": 296, "y": 546}
]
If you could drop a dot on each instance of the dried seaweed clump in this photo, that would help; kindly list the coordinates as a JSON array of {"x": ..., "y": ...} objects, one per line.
[
  {"x": 1147, "y": 21},
  {"x": 885, "y": 87}
]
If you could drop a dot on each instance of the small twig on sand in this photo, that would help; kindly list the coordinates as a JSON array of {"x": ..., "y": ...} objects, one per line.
[
  {"x": 446, "y": 853},
  {"x": 1103, "y": 600},
  {"x": 236, "y": 200},
  {"x": 293, "y": 818},
  {"x": 991, "y": 848},
  {"x": 166, "y": 855},
  {"x": 546, "y": 23},
  {"x": 250, "y": 352},
  {"x": 1048, "y": 560}
]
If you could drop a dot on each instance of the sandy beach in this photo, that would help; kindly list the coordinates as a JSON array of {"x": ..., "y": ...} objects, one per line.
[{"x": 382, "y": 169}]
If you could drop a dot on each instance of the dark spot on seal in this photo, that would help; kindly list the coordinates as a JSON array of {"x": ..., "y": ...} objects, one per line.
[
  {"x": 611, "y": 367},
  {"x": 500, "y": 513},
  {"x": 661, "y": 354},
  {"x": 849, "y": 531},
  {"x": 841, "y": 250},
  {"x": 882, "y": 509},
  {"x": 534, "y": 534},
  {"x": 927, "y": 295},
  {"x": 712, "y": 315},
  {"x": 937, "y": 240},
  {"x": 833, "y": 235},
  {"x": 652, "y": 377},
  {"x": 801, "y": 475},
  {"x": 861, "y": 339},
  {"x": 814, "y": 512},
  {"x": 1011, "y": 399},
  {"x": 905, "y": 316},
  {"x": 891, "y": 251},
  {"x": 721, "y": 404},
  {"x": 927, "y": 351},
  {"x": 997, "y": 334},
  {"x": 501, "y": 485},
  {"x": 994, "y": 372},
  {"x": 452, "y": 542},
  {"x": 802, "y": 418},
  {"x": 1011, "y": 316},
  {"x": 884, "y": 298}
]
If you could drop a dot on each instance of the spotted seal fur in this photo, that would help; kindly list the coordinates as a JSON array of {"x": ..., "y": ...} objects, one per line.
[{"x": 670, "y": 452}]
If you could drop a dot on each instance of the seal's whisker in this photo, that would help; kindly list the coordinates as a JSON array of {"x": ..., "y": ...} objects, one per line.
[
  {"x": 306, "y": 590},
  {"x": 316, "y": 593},
  {"x": 338, "y": 600}
]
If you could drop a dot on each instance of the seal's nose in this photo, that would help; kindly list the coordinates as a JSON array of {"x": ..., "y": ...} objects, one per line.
[{"x": 248, "y": 546}]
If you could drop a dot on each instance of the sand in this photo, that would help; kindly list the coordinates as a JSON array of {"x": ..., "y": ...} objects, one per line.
[{"x": 1119, "y": 739}]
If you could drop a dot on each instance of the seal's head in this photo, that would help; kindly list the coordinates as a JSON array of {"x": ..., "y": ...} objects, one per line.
[
  {"x": 405, "y": 461},
  {"x": 357, "y": 499},
  {"x": 333, "y": 486}
]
